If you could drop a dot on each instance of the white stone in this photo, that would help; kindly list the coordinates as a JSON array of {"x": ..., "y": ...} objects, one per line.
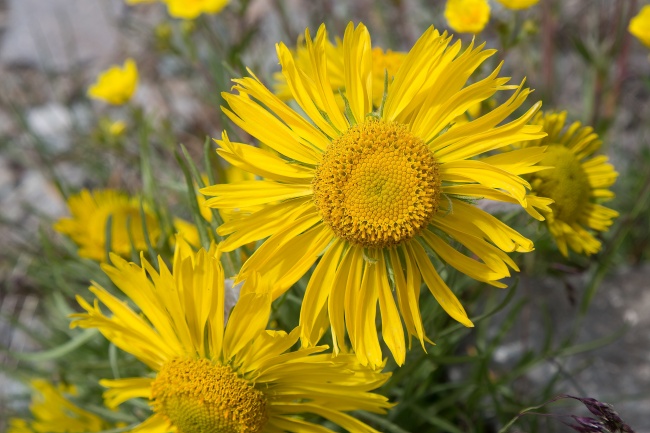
[
  {"x": 52, "y": 123},
  {"x": 58, "y": 34}
]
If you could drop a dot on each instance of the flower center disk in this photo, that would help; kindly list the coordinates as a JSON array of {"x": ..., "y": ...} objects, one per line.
[
  {"x": 378, "y": 184},
  {"x": 198, "y": 396},
  {"x": 567, "y": 183}
]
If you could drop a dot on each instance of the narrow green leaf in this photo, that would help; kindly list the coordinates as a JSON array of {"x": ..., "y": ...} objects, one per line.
[{"x": 59, "y": 351}]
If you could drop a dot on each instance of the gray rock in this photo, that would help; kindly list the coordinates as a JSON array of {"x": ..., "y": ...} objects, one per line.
[
  {"x": 52, "y": 123},
  {"x": 33, "y": 193},
  {"x": 59, "y": 34}
]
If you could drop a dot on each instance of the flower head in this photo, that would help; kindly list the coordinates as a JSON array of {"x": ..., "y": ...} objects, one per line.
[
  {"x": 217, "y": 375},
  {"x": 578, "y": 183},
  {"x": 90, "y": 214},
  {"x": 640, "y": 25},
  {"x": 191, "y": 9},
  {"x": 467, "y": 16},
  {"x": 53, "y": 412},
  {"x": 518, "y": 4},
  {"x": 117, "y": 84},
  {"x": 367, "y": 192}
]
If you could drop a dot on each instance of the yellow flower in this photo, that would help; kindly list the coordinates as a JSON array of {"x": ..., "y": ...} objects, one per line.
[
  {"x": 87, "y": 226},
  {"x": 640, "y": 25},
  {"x": 385, "y": 63},
  {"x": 578, "y": 182},
  {"x": 518, "y": 4},
  {"x": 191, "y": 9},
  {"x": 467, "y": 16},
  {"x": 216, "y": 376},
  {"x": 116, "y": 85},
  {"x": 135, "y": 2},
  {"x": 116, "y": 128},
  {"x": 54, "y": 413},
  {"x": 371, "y": 191}
]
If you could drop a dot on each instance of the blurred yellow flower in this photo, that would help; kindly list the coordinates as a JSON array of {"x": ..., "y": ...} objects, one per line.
[
  {"x": 518, "y": 4},
  {"x": 577, "y": 183},
  {"x": 467, "y": 16},
  {"x": 135, "y": 2},
  {"x": 640, "y": 26},
  {"x": 90, "y": 213},
  {"x": 116, "y": 85},
  {"x": 191, "y": 9},
  {"x": 54, "y": 413},
  {"x": 116, "y": 128}
]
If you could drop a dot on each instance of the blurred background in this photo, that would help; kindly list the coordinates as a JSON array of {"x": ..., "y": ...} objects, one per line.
[{"x": 54, "y": 140}]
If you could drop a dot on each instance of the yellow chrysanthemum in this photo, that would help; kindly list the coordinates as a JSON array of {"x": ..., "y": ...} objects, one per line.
[
  {"x": 640, "y": 25},
  {"x": 467, "y": 16},
  {"x": 518, "y": 4},
  {"x": 371, "y": 191},
  {"x": 577, "y": 183},
  {"x": 116, "y": 85},
  {"x": 212, "y": 376},
  {"x": 385, "y": 64},
  {"x": 54, "y": 413},
  {"x": 191, "y": 9},
  {"x": 87, "y": 226}
]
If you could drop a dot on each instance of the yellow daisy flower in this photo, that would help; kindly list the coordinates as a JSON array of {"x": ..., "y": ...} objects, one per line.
[
  {"x": 54, "y": 413},
  {"x": 216, "y": 376},
  {"x": 371, "y": 191},
  {"x": 467, "y": 16},
  {"x": 87, "y": 226},
  {"x": 640, "y": 25},
  {"x": 385, "y": 63},
  {"x": 578, "y": 182},
  {"x": 191, "y": 9},
  {"x": 518, "y": 4},
  {"x": 116, "y": 85}
]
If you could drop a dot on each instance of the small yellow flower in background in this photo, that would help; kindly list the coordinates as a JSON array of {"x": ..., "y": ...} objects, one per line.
[
  {"x": 116, "y": 128},
  {"x": 363, "y": 193},
  {"x": 135, "y": 2},
  {"x": 467, "y": 16},
  {"x": 640, "y": 25},
  {"x": 191, "y": 9},
  {"x": 116, "y": 85},
  {"x": 54, "y": 413},
  {"x": 213, "y": 375},
  {"x": 518, "y": 4},
  {"x": 87, "y": 225},
  {"x": 578, "y": 182}
]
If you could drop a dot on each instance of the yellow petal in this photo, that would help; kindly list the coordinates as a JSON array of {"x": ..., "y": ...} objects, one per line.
[
  {"x": 262, "y": 163},
  {"x": 437, "y": 286},
  {"x": 247, "y": 319},
  {"x": 121, "y": 390},
  {"x": 313, "y": 317},
  {"x": 251, "y": 193},
  {"x": 468, "y": 266},
  {"x": 391, "y": 324},
  {"x": 262, "y": 223},
  {"x": 357, "y": 67}
]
